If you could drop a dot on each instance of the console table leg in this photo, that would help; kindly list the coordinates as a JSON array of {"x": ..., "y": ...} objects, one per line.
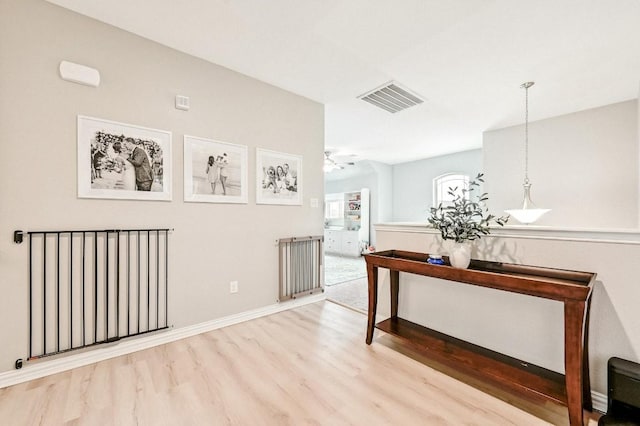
[
  {"x": 372, "y": 274},
  {"x": 587, "y": 402},
  {"x": 395, "y": 285},
  {"x": 574, "y": 315}
]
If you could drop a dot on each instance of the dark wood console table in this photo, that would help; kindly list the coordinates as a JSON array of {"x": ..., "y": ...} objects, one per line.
[{"x": 572, "y": 288}]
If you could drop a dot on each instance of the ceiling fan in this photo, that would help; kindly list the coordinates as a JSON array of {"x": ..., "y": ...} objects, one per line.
[{"x": 330, "y": 164}]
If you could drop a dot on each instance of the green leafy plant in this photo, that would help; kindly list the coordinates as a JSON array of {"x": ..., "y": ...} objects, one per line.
[{"x": 465, "y": 219}]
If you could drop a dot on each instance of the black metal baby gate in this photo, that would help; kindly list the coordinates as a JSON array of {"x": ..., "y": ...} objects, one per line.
[{"x": 92, "y": 287}]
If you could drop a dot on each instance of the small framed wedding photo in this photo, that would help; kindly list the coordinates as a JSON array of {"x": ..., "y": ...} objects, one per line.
[
  {"x": 278, "y": 178},
  {"x": 123, "y": 161},
  {"x": 214, "y": 171}
]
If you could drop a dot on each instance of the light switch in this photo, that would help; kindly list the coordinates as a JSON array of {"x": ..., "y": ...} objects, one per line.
[{"x": 182, "y": 102}]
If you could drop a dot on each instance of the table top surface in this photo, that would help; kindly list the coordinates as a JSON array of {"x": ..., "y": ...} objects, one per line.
[{"x": 534, "y": 280}]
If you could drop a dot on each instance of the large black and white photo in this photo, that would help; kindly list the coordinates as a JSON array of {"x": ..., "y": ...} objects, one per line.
[
  {"x": 214, "y": 171},
  {"x": 123, "y": 161},
  {"x": 278, "y": 178}
]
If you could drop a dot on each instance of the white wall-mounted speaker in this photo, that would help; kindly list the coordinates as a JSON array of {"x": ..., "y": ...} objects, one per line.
[{"x": 77, "y": 73}]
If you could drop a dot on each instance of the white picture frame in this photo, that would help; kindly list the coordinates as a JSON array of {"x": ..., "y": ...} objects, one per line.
[
  {"x": 271, "y": 188},
  {"x": 123, "y": 161},
  {"x": 215, "y": 171}
]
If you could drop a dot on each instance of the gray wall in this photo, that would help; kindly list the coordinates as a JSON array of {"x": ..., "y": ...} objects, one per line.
[
  {"x": 413, "y": 182},
  {"x": 384, "y": 199},
  {"x": 212, "y": 243},
  {"x": 404, "y": 192},
  {"x": 583, "y": 166}
]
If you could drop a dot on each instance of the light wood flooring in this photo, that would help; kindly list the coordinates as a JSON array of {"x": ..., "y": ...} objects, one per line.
[{"x": 304, "y": 366}]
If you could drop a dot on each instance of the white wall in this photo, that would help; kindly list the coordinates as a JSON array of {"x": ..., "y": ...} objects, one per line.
[
  {"x": 526, "y": 327},
  {"x": 212, "y": 243},
  {"x": 583, "y": 166},
  {"x": 413, "y": 182}
]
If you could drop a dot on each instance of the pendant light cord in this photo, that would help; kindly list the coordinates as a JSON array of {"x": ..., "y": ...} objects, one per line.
[
  {"x": 529, "y": 213},
  {"x": 526, "y": 130}
]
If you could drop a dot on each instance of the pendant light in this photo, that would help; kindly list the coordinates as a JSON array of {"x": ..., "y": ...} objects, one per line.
[{"x": 529, "y": 213}]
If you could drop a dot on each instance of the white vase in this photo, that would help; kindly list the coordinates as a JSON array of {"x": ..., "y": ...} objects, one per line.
[{"x": 460, "y": 255}]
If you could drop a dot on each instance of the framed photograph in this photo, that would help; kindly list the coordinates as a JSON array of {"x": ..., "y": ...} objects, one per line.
[
  {"x": 278, "y": 178},
  {"x": 214, "y": 171},
  {"x": 123, "y": 161}
]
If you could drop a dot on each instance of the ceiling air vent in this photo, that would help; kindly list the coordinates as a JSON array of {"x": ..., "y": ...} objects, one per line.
[{"x": 391, "y": 97}]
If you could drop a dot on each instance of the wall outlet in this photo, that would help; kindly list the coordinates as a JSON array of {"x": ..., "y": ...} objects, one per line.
[{"x": 233, "y": 287}]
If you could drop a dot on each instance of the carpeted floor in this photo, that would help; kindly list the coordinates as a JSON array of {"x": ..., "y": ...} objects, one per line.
[
  {"x": 338, "y": 269},
  {"x": 346, "y": 281},
  {"x": 353, "y": 294}
]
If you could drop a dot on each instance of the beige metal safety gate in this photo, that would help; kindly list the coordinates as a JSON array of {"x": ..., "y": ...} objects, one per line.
[{"x": 300, "y": 266}]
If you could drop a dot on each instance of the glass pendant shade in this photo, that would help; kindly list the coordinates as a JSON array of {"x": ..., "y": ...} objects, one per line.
[{"x": 529, "y": 213}]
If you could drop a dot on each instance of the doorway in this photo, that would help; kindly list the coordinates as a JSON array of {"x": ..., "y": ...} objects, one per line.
[
  {"x": 345, "y": 280},
  {"x": 346, "y": 236}
]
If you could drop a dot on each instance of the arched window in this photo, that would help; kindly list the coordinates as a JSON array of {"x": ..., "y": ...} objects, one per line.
[{"x": 443, "y": 185}]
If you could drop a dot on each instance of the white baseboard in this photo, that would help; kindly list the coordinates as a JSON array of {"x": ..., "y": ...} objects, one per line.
[
  {"x": 599, "y": 401},
  {"x": 57, "y": 365}
]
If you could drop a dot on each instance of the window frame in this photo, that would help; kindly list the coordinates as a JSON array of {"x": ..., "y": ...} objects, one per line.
[
  {"x": 439, "y": 188},
  {"x": 330, "y": 207}
]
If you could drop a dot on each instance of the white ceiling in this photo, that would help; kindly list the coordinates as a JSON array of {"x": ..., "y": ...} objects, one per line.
[{"x": 466, "y": 57}]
